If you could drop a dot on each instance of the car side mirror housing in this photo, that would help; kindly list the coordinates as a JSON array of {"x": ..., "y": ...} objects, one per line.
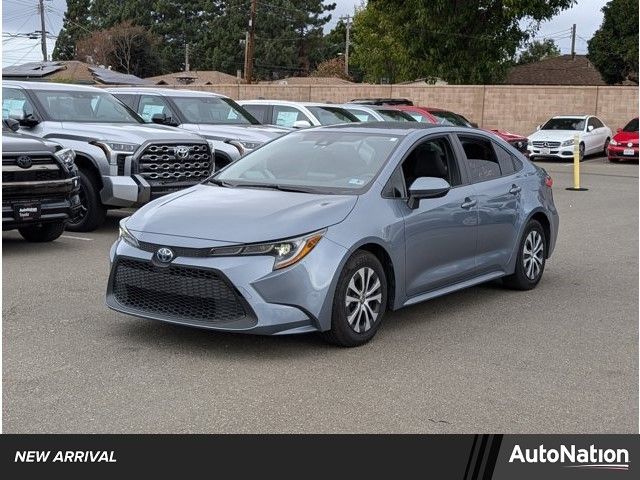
[
  {"x": 162, "y": 119},
  {"x": 27, "y": 120},
  {"x": 12, "y": 124},
  {"x": 618, "y": 130},
  {"x": 590, "y": 128},
  {"x": 301, "y": 124},
  {"x": 427, "y": 187},
  {"x": 473, "y": 124}
]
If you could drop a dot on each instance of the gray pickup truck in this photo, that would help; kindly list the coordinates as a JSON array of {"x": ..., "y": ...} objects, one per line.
[
  {"x": 122, "y": 161},
  {"x": 233, "y": 131}
]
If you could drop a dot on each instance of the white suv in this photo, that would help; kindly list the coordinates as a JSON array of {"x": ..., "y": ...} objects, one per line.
[{"x": 555, "y": 138}]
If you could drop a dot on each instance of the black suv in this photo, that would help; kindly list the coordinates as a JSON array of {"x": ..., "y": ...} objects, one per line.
[{"x": 39, "y": 185}]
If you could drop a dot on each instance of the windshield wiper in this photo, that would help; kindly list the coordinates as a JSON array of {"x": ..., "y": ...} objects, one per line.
[
  {"x": 275, "y": 186},
  {"x": 220, "y": 183}
]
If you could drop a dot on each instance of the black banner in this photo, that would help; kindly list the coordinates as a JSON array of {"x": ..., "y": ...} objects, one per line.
[{"x": 460, "y": 457}]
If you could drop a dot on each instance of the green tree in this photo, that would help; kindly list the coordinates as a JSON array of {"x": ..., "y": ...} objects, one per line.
[
  {"x": 614, "y": 47},
  {"x": 75, "y": 25},
  {"x": 538, "y": 50},
  {"x": 460, "y": 41}
]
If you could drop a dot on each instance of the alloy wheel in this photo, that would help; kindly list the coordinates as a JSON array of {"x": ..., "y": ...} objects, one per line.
[
  {"x": 533, "y": 254},
  {"x": 363, "y": 299}
]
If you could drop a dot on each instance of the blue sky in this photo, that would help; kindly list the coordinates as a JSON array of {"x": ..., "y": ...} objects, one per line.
[{"x": 20, "y": 16}]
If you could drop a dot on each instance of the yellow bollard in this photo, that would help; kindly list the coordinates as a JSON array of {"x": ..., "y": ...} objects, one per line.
[{"x": 576, "y": 166}]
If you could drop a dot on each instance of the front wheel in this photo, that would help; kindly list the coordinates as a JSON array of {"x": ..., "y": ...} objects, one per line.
[
  {"x": 606, "y": 146},
  {"x": 531, "y": 258},
  {"x": 581, "y": 150},
  {"x": 93, "y": 213},
  {"x": 47, "y": 232},
  {"x": 360, "y": 301}
]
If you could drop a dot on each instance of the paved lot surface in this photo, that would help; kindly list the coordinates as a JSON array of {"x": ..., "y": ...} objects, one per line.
[{"x": 561, "y": 358}]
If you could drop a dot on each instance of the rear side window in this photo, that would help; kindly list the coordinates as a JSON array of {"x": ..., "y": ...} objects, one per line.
[
  {"x": 505, "y": 159},
  {"x": 481, "y": 159},
  {"x": 258, "y": 111}
]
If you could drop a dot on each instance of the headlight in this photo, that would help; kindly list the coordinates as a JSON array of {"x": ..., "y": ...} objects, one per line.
[
  {"x": 66, "y": 156},
  {"x": 285, "y": 252},
  {"x": 126, "y": 235},
  {"x": 249, "y": 145},
  {"x": 567, "y": 143},
  {"x": 118, "y": 147},
  {"x": 613, "y": 142}
]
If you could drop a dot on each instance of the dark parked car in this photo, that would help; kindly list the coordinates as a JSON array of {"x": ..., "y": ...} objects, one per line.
[{"x": 39, "y": 185}]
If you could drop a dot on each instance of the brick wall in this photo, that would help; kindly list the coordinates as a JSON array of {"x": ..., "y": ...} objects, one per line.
[{"x": 511, "y": 107}]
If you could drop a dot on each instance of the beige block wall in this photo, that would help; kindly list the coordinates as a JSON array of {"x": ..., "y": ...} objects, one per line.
[{"x": 517, "y": 108}]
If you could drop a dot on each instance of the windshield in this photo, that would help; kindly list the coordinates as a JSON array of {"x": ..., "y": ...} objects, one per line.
[
  {"x": 213, "y": 110},
  {"x": 564, "y": 124},
  {"x": 313, "y": 161},
  {"x": 396, "y": 116},
  {"x": 84, "y": 106},
  {"x": 449, "y": 118},
  {"x": 332, "y": 115},
  {"x": 632, "y": 126}
]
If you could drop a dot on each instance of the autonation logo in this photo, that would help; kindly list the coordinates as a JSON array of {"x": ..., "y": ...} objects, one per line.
[{"x": 573, "y": 457}]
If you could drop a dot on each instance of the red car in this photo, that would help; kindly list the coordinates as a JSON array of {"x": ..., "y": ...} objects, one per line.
[
  {"x": 624, "y": 144},
  {"x": 445, "y": 117}
]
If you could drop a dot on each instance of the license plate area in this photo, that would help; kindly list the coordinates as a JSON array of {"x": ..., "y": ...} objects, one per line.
[
  {"x": 628, "y": 151},
  {"x": 26, "y": 212},
  {"x": 545, "y": 151}
]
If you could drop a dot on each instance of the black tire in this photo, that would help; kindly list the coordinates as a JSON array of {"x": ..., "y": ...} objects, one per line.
[
  {"x": 343, "y": 333},
  {"x": 606, "y": 146},
  {"x": 519, "y": 280},
  {"x": 581, "y": 149},
  {"x": 93, "y": 213},
  {"x": 47, "y": 232}
]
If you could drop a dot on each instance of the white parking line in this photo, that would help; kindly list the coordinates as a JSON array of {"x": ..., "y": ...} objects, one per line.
[{"x": 78, "y": 238}]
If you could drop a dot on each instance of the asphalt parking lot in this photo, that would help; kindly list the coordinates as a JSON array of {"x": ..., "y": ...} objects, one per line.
[{"x": 561, "y": 358}]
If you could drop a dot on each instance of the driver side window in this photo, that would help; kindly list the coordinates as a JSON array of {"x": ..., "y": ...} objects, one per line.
[
  {"x": 15, "y": 104},
  {"x": 432, "y": 158},
  {"x": 151, "y": 105}
]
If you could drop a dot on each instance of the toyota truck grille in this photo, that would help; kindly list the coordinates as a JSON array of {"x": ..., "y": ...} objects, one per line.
[
  {"x": 165, "y": 166},
  {"x": 28, "y": 168},
  {"x": 176, "y": 292}
]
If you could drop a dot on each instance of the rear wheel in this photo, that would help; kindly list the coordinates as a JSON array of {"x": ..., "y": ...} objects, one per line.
[
  {"x": 359, "y": 303},
  {"x": 42, "y": 233},
  {"x": 531, "y": 258},
  {"x": 93, "y": 213}
]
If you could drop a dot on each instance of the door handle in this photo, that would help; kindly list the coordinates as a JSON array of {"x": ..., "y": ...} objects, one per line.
[
  {"x": 468, "y": 203},
  {"x": 514, "y": 189}
]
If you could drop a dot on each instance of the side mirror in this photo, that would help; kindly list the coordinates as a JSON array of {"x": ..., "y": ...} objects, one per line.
[
  {"x": 12, "y": 124},
  {"x": 427, "y": 187},
  {"x": 618, "y": 130},
  {"x": 539, "y": 127},
  {"x": 590, "y": 128},
  {"x": 160, "y": 118},
  {"x": 473, "y": 124},
  {"x": 301, "y": 124},
  {"x": 27, "y": 120}
]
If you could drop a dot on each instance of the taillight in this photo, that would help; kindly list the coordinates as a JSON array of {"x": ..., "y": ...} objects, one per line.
[{"x": 548, "y": 181}]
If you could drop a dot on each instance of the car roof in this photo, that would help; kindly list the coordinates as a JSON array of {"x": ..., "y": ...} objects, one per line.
[
  {"x": 50, "y": 86},
  {"x": 394, "y": 128},
  {"x": 573, "y": 116},
  {"x": 289, "y": 102},
  {"x": 169, "y": 92},
  {"x": 364, "y": 106}
]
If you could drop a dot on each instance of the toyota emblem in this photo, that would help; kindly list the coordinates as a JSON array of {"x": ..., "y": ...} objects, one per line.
[
  {"x": 181, "y": 152},
  {"x": 24, "y": 161},
  {"x": 164, "y": 255}
]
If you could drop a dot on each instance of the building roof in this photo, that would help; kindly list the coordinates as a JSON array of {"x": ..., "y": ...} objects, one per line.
[
  {"x": 560, "y": 70},
  {"x": 302, "y": 81},
  {"x": 195, "y": 77},
  {"x": 71, "y": 71}
]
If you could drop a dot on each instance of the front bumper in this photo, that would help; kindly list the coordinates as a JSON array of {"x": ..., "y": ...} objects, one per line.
[
  {"x": 134, "y": 190},
  {"x": 296, "y": 299},
  {"x": 617, "y": 152},
  {"x": 563, "y": 153}
]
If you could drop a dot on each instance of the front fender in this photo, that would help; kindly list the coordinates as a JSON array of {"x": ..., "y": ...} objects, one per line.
[{"x": 94, "y": 154}]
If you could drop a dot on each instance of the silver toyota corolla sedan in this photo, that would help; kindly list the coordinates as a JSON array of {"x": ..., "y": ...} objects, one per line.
[{"x": 324, "y": 230}]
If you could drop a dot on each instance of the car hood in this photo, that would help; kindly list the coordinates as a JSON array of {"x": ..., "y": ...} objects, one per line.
[
  {"x": 126, "y": 132},
  {"x": 554, "y": 135},
  {"x": 240, "y": 215},
  {"x": 622, "y": 137},
  {"x": 246, "y": 133},
  {"x": 19, "y": 143}
]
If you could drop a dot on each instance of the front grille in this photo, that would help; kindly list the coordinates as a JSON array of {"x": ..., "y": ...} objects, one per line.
[
  {"x": 543, "y": 144},
  {"x": 178, "y": 251},
  {"x": 159, "y": 165},
  {"x": 43, "y": 168},
  {"x": 176, "y": 291}
]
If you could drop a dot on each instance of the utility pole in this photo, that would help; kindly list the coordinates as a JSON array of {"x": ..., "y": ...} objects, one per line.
[
  {"x": 249, "y": 44},
  {"x": 573, "y": 42},
  {"x": 347, "y": 18},
  {"x": 186, "y": 57},
  {"x": 43, "y": 31}
]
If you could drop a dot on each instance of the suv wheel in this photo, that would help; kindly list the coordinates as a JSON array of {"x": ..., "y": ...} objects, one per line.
[
  {"x": 93, "y": 213},
  {"x": 531, "y": 258},
  {"x": 42, "y": 233},
  {"x": 360, "y": 301}
]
